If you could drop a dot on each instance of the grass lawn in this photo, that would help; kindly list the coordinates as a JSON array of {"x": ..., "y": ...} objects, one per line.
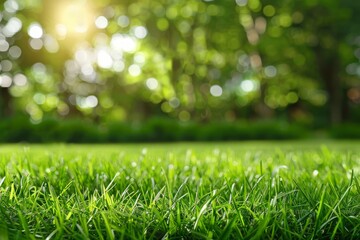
[{"x": 237, "y": 190}]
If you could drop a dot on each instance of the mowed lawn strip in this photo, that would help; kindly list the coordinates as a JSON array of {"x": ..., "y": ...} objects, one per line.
[{"x": 236, "y": 190}]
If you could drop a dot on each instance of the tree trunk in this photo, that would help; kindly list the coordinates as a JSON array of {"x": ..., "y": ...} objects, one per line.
[
  {"x": 5, "y": 102},
  {"x": 329, "y": 74}
]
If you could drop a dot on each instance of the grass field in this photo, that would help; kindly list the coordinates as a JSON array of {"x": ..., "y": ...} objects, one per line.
[{"x": 245, "y": 190}]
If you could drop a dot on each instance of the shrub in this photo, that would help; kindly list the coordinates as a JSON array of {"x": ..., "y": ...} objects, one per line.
[
  {"x": 78, "y": 131},
  {"x": 158, "y": 129},
  {"x": 346, "y": 131},
  {"x": 16, "y": 129}
]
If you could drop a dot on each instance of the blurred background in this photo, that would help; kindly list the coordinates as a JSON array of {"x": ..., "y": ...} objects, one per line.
[{"x": 141, "y": 70}]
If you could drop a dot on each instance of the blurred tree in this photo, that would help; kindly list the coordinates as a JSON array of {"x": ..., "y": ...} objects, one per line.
[
  {"x": 202, "y": 60},
  {"x": 307, "y": 46}
]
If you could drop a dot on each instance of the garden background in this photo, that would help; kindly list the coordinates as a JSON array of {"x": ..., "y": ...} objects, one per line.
[{"x": 122, "y": 71}]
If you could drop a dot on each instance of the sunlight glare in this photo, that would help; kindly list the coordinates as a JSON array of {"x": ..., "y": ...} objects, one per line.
[
  {"x": 74, "y": 17},
  {"x": 61, "y": 30}
]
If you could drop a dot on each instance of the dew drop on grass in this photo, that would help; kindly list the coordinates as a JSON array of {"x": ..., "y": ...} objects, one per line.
[
  {"x": 344, "y": 166},
  {"x": 133, "y": 164},
  {"x": 103, "y": 177},
  {"x": 2, "y": 180},
  {"x": 121, "y": 155},
  {"x": 349, "y": 174},
  {"x": 277, "y": 169},
  {"x": 273, "y": 201},
  {"x": 188, "y": 154},
  {"x": 25, "y": 173},
  {"x": 315, "y": 173}
]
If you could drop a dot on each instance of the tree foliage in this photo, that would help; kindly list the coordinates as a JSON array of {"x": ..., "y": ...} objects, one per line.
[{"x": 201, "y": 60}]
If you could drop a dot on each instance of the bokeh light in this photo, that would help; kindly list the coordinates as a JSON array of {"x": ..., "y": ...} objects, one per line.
[
  {"x": 35, "y": 30},
  {"x": 248, "y": 85},
  {"x": 123, "y": 21},
  {"x": 101, "y": 22},
  {"x": 104, "y": 59},
  {"x": 36, "y": 44},
  {"x": 12, "y": 27},
  {"x": 5, "y": 81},
  {"x": 216, "y": 91},
  {"x": 20, "y": 79},
  {"x": 4, "y": 45},
  {"x": 51, "y": 44},
  {"x": 152, "y": 83},
  {"x": 241, "y": 3},
  {"x": 15, "y": 52},
  {"x": 270, "y": 71},
  {"x": 134, "y": 70},
  {"x": 140, "y": 32}
]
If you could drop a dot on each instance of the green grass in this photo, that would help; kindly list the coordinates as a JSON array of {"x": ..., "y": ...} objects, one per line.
[{"x": 249, "y": 190}]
